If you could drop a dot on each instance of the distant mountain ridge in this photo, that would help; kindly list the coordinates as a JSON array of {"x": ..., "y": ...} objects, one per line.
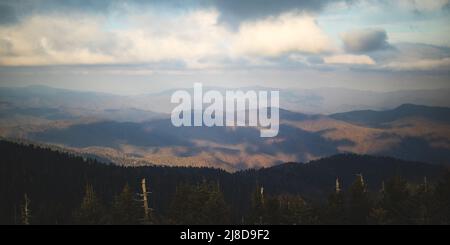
[
  {"x": 311, "y": 101},
  {"x": 302, "y": 137},
  {"x": 377, "y": 118},
  {"x": 117, "y": 128}
]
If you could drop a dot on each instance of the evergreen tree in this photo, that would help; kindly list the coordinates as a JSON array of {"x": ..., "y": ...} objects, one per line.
[
  {"x": 378, "y": 216},
  {"x": 256, "y": 215},
  {"x": 293, "y": 210},
  {"x": 359, "y": 203},
  {"x": 125, "y": 209},
  {"x": 216, "y": 209},
  {"x": 272, "y": 212},
  {"x": 91, "y": 211},
  {"x": 441, "y": 213},
  {"x": 424, "y": 203},
  {"x": 335, "y": 209},
  {"x": 183, "y": 210},
  {"x": 199, "y": 204},
  {"x": 397, "y": 201}
]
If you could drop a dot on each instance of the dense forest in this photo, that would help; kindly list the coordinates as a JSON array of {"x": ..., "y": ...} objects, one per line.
[{"x": 41, "y": 186}]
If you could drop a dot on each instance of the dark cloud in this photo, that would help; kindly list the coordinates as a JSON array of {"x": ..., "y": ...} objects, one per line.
[
  {"x": 367, "y": 40},
  {"x": 235, "y": 11},
  {"x": 231, "y": 11},
  {"x": 13, "y": 10},
  {"x": 7, "y": 14}
]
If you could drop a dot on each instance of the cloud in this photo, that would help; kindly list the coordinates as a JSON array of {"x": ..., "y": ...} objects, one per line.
[
  {"x": 349, "y": 59},
  {"x": 236, "y": 11},
  {"x": 197, "y": 39},
  {"x": 43, "y": 40},
  {"x": 232, "y": 12},
  {"x": 419, "y": 65},
  {"x": 423, "y": 5},
  {"x": 315, "y": 60},
  {"x": 276, "y": 36},
  {"x": 194, "y": 38},
  {"x": 7, "y": 14},
  {"x": 189, "y": 38},
  {"x": 417, "y": 57},
  {"x": 366, "y": 40},
  {"x": 12, "y": 11},
  {"x": 420, "y": 51}
]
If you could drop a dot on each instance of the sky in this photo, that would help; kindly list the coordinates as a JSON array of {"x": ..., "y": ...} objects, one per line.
[{"x": 137, "y": 46}]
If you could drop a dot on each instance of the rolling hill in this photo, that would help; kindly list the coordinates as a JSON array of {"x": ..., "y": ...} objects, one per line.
[
  {"x": 419, "y": 136},
  {"x": 373, "y": 118},
  {"x": 126, "y": 130}
]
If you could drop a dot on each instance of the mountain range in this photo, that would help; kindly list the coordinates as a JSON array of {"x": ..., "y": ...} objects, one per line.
[
  {"x": 311, "y": 101},
  {"x": 119, "y": 129}
]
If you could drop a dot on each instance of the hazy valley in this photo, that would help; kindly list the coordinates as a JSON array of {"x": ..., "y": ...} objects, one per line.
[{"x": 125, "y": 130}]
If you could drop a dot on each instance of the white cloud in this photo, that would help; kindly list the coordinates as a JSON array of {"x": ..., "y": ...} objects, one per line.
[
  {"x": 196, "y": 39},
  {"x": 275, "y": 36},
  {"x": 42, "y": 40},
  {"x": 190, "y": 38},
  {"x": 349, "y": 59},
  {"x": 79, "y": 39}
]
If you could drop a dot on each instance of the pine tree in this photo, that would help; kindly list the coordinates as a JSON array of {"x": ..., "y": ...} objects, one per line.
[
  {"x": 199, "y": 204},
  {"x": 257, "y": 211},
  {"x": 272, "y": 212},
  {"x": 216, "y": 209},
  {"x": 441, "y": 214},
  {"x": 359, "y": 203},
  {"x": 335, "y": 210},
  {"x": 125, "y": 209},
  {"x": 423, "y": 202},
  {"x": 378, "y": 215},
  {"x": 91, "y": 210},
  {"x": 397, "y": 201},
  {"x": 293, "y": 210}
]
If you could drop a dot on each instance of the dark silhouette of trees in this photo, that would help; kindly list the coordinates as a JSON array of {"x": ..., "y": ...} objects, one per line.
[
  {"x": 424, "y": 203},
  {"x": 257, "y": 210},
  {"x": 441, "y": 212},
  {"x": 199, "y": 204},
  {"x": 335, "y": 212},
  {"x": 359, "y": 202},
  {"x": 91, "y": 211},
  {"x": 397, "y": 202},
  {"x": 126, "y": 210},
  {"x": 295, "y": 210},
  {"x": 281, "y": 209},
  {"x": 57, "y": 193}
]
